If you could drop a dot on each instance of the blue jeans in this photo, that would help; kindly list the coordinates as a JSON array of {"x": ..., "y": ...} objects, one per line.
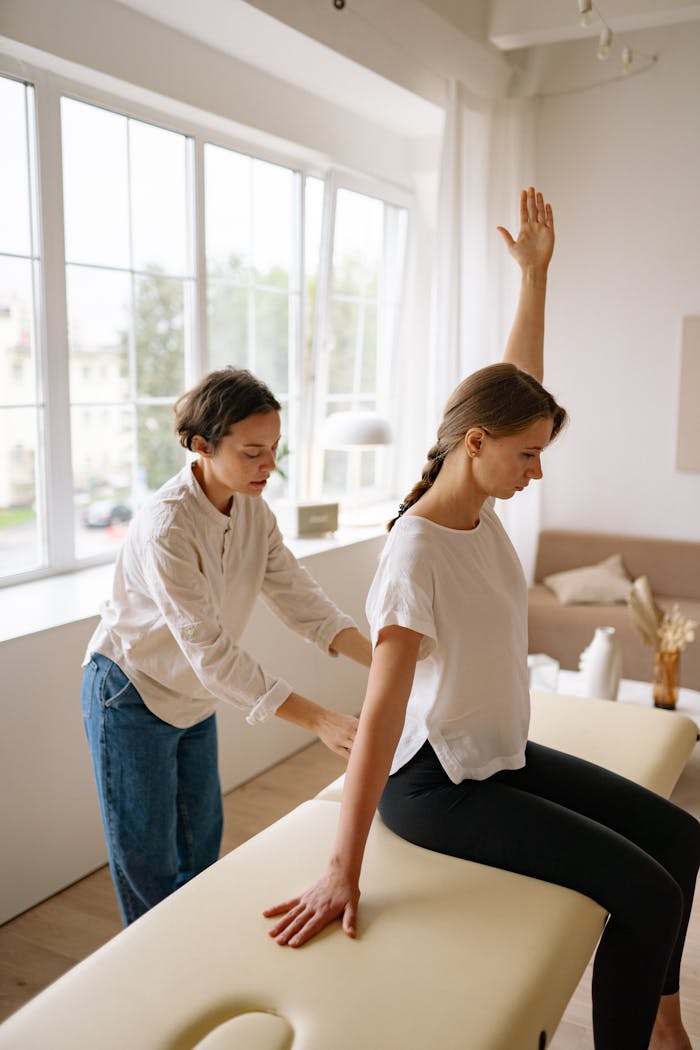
[{"x": 158, "y": 789}]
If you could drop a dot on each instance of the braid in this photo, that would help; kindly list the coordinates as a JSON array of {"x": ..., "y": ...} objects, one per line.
[{"x": 431, "y": 470}]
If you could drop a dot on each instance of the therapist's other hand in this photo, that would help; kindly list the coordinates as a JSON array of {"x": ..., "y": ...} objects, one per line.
[{"x": 337, "y": 731}]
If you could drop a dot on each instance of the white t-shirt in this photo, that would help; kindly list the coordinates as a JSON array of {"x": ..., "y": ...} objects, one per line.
[
  {"x": 185, "y": 584},
  {"x": 466, "y": 593}
]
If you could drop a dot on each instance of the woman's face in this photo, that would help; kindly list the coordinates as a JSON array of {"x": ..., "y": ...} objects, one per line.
[
  {"x": 506, "y": 465},
  {"x": 242, "y": 461}
]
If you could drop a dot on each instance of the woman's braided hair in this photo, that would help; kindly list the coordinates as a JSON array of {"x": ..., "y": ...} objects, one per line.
[{"x": 500, "y": 398}]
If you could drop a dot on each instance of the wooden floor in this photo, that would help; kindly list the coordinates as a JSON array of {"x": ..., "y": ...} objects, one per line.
[{"x": 44, "y": 942}]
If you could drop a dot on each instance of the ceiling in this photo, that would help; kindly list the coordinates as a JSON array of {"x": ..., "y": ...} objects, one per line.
[
  {"x": 250, "y": 35},
  {"x": 253, "y": 36}
]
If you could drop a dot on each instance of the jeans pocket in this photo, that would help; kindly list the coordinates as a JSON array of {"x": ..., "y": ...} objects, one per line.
[
  {"x": 116, "y": 689},
  {"x": 88, "y": 687}
]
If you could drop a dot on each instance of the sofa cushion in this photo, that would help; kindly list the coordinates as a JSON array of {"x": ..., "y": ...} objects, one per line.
[
  {"x": 607, "y": 582},
  {"x": 564, "y": 632},
  {"x": 672, "y": 566}
]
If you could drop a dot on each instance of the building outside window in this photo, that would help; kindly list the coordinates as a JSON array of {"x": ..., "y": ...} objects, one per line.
[{"x": 22, "y": 532}]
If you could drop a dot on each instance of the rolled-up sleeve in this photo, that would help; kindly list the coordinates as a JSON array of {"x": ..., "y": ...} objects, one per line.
[{"x": 296, "y": 598}]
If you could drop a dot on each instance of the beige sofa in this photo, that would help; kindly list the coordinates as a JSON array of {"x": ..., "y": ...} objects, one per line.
[
  {"x": 449, "y": 954},
  {"x": 563, "y": 631}
]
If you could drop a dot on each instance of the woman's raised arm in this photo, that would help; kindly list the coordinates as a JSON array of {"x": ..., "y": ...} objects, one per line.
[
  {"x": 337, "y": 892},
  {"x": 532, "y": 251}
]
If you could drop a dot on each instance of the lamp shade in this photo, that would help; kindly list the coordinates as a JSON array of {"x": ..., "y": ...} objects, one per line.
[{"x": 355, "y": 430}]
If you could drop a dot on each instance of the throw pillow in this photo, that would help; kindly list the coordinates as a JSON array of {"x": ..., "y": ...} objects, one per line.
[{"x": 605, "y": 583}]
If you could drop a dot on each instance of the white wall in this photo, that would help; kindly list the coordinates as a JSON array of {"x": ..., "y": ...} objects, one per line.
[
  {"x": 49, "y": 821},
  {"x": 622, "y": 165}
]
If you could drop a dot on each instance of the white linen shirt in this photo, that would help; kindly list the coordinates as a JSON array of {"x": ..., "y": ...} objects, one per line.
[
  {"x": 465, "y": 592},
  {"x": 185, "y": 584}
]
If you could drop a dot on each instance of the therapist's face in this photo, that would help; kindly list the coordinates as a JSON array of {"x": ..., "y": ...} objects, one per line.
[{"x": 242, "y": 461}]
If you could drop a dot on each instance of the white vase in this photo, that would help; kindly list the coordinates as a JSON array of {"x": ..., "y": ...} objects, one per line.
[{"x": 600, "y": 665}]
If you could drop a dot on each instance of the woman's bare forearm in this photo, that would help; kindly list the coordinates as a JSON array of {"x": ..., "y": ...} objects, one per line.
[
  {"x": 349, "y": 642},
  {"x": 336, "y": 893},
  {"x": 525, "y": 346},
  {"x": 381, "y": 722}
]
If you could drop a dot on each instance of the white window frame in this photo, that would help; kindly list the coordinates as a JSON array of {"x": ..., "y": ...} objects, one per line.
[
  {"x": 52, "y": 351},
  {"x": 385, "y": 404}
]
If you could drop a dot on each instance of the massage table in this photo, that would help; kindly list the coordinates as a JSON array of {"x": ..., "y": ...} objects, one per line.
[{"x": 450, "y": 955}]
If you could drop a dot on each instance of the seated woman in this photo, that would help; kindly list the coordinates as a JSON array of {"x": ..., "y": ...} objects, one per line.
[
  {"x": 442, "y": 744},
  {"x": 166, "y": 651}
]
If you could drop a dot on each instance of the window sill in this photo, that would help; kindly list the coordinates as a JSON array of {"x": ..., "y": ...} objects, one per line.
[{"x": 41, "y": 605}]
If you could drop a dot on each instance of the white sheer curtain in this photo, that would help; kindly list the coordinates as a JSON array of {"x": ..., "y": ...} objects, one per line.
[{"x": 487, "y": 157}]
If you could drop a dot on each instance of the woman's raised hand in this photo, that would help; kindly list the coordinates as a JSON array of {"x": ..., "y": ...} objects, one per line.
[
  {"x": 535, "y": 243},
  {"x": 334, "y": 895}
]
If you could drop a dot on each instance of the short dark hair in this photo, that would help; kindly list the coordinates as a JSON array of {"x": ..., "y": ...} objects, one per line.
[{"x": 219, "y": 400}]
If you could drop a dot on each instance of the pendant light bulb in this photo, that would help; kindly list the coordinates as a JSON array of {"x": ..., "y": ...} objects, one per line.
[
  {"x": 604, "y": 44},
  {"x": 585, "y": 12}
]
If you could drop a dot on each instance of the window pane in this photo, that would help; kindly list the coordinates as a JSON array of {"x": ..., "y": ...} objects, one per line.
[
  {"x": 367, "y": 268},
  {"x": 99, "y": 308},
  {"x": 357, "y": 248},
  {"x": 250, "y": 228},
  {"x": 368, "y": 377},
  {"x": 313, "y": 216},
  {"x": 128, "y": 304},
  {"x": 95, "y": 184},
  {"x": 228, "y": 313},
  {"x": 103, "y": 446},
  {"x": 335, "y": 472},
  {"x": 272, "y": 340},
  {"x": 158, "y": 186},
  {"x": 17, "y": 349},
  {"x": 19, "y": 532},
  {"x": 160, "y": 454},
  {"x": 343, "y": 353},
  {"x": 22, "y": 546},
  {"x": 313, "y": 209},
  {"x": 278, "y": 483},
  {"x": 368, "y": 468},
  {"x": 15, "y": 200},
  {"x": 227, "y": 201},
  {"x": 159, "y": 312},
  {"x": 273, "y": 202}
]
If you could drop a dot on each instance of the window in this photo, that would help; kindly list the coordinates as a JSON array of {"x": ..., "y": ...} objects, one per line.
[
  {"x": 170, "y": 255},
  {"x": 360, "y": 322},
  {"x": 129, "y": 279},
  {"x": 253, "y": 283},
  {"x": 22, "y": 543}
]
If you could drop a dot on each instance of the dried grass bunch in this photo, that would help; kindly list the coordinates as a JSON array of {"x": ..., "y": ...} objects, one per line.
[{"x": 669, "y": 632}]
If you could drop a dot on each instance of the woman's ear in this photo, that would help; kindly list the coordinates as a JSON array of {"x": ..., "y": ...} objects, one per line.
[
  {"x": 473, "y": 441},
  {"x": 200, "y": 445}
]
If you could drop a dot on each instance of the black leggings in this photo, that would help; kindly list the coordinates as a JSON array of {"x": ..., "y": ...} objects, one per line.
[{"x": 569, "y": 822}]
